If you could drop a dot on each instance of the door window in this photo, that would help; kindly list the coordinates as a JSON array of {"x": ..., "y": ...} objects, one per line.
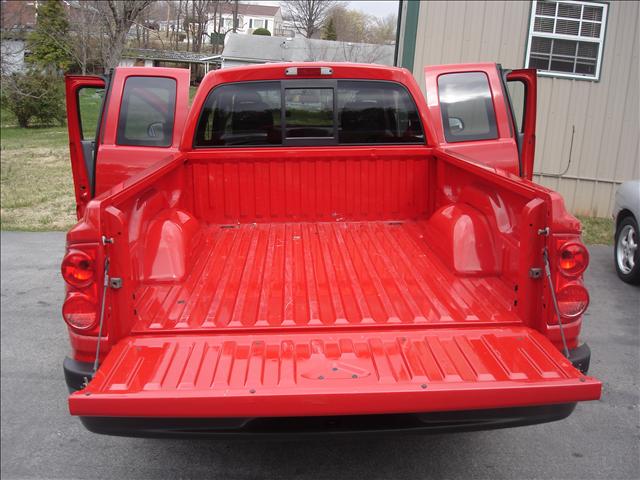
[
  {"x": 467, "y": 107},
  {"x": 518, "y": 98},
  {"x": 89, "y": 106},
  {"x": 147, "y": 112}
]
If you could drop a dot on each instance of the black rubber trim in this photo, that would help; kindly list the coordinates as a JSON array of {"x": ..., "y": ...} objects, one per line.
[
  {"x": 75, "y": 373},
  {"x": 581, "y": 357},
  {"x": 292, "y": 427}
]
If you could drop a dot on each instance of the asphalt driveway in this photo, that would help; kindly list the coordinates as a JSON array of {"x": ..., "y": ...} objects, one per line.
[{"x": 40, "y": 440}]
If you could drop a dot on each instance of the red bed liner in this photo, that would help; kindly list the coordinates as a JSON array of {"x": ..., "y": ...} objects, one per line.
[{"x": 341, "y": 274}]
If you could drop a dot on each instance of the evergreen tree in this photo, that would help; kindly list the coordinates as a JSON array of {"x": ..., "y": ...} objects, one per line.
[
  {"x": 330, "y": 30},
  {"x": 48, "y": 43}
]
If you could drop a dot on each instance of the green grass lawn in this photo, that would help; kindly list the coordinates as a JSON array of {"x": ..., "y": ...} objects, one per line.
[
  {"x": 35, "y": 177},
  {"x": 35, "y": 172},
  {"x": 37, "y": 189},
  {"x": 597, "y": 231}
]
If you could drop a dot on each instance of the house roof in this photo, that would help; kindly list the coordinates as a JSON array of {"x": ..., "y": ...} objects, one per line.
[
  {"x": 249, "y": 9},
  {"x": 166, "y": 55},
  {"x": 263, "y": 49}
]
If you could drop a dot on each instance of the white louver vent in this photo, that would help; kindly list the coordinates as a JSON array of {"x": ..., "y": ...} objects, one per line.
[{"x": 566, "y": 38}]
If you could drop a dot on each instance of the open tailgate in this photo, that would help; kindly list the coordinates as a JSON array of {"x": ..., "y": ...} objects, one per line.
[{"x": 351, "y": 373}]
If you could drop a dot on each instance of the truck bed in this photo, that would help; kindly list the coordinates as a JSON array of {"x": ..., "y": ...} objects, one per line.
[{"x": 322, "y": 274}]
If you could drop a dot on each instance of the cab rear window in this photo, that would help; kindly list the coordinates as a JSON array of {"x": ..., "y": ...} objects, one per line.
[{"x": 319, "y": 113}]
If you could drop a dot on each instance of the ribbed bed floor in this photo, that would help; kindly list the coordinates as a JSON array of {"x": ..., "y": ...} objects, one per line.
[{"x": 319, "y": 274}]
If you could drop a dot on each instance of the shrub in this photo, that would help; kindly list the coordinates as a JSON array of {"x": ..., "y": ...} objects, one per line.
[
  {"x": 262, "y": 31},
  {"x": 34, "y": 96}
]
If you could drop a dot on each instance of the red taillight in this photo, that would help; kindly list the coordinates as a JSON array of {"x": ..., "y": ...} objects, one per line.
[
  {"x": 573, "y": 259},
  {"x": 79, "y": 311},
  {"x": 78, "y": 269},
  {"x": 573, "y": 300}
]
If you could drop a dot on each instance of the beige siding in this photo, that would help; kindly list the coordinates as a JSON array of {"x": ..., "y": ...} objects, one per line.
[{"x": 605, "y": 114}]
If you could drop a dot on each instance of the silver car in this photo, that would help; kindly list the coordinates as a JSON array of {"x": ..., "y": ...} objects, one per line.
[{"x": 626, "y": 214}]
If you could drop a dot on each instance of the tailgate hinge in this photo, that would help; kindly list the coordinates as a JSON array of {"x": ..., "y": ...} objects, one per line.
[{"x": 115, "y": 282}]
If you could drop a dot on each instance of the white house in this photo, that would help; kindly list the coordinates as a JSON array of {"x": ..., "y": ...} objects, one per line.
[{"x": 249, "y": 18}]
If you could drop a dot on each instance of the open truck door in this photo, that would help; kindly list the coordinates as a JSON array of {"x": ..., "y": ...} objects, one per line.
[
  {"x": 85, "y": 96},
  {"x": 140, "y": 115},
  {"x": 522, "y": 94},
  {"x": 472, "y": 110}
]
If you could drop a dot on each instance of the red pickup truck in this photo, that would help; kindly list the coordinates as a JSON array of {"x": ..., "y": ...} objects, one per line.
[{"x": 318, "y": 248}]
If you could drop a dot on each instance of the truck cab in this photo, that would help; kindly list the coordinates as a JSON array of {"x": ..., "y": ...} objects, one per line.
[{"x": 318, "y": 247}]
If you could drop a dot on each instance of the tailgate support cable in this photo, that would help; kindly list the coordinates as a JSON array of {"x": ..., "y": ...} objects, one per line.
[
  {"x": 547, "y": 270},
  {"x": 104, "y": 302}
]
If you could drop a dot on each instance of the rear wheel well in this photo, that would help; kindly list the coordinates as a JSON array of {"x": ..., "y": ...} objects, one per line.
[{"x": 622, "y": 214}]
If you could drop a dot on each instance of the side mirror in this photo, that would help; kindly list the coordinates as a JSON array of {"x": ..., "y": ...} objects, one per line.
[
  {"x": 156, "y": 130},
  {"x": 455, "y": 125}
]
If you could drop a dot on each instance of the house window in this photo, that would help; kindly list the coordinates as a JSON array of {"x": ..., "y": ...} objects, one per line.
[{"x": 566, "y": 38}]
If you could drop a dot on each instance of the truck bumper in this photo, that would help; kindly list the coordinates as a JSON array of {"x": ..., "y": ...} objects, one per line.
[
  {"x": 292, "y": 427},
  {"x": 76, "y": 373},
  {"x": 580, "y": 357}
]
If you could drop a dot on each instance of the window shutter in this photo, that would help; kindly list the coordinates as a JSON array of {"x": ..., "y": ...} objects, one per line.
[{"x": 566, "y": 38}]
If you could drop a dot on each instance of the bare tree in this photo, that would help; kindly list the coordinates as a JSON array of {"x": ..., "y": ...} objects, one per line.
[
  {"x": 82, "y": 42},
  {"x": 383, "y": 30},
  {"x": 234, "y": 24},
  {"x": 217, "y": 9},
  {"x": 177, "y": 24},
  {"x": 117, "y": 18},
  {"x": 348, "y": 52},
  {"x": 308, "y": 16},
  {"x": 197, "y": 21}
]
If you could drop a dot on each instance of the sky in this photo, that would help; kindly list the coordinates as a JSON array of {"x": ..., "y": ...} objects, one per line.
[{"x": 378, "y": 8}]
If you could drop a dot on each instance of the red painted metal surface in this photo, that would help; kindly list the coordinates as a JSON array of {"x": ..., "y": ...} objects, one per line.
[
  {"x": 298, "y": 275},
  {"x": 81, "y": 181},
  {"x": 310, "y": 184},
  {"x": 331, "y": 374},
  {"x": 249, "y": 273}
]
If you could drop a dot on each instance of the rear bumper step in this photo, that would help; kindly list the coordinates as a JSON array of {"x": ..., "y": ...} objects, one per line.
[{"x": 418, "y": 423}]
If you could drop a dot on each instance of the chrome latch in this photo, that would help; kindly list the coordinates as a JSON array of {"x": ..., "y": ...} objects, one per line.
[
  {"x": 106, "y": 240},
  {"x": 115, "y": 282},
  {"x": 543, "y": 231}
]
